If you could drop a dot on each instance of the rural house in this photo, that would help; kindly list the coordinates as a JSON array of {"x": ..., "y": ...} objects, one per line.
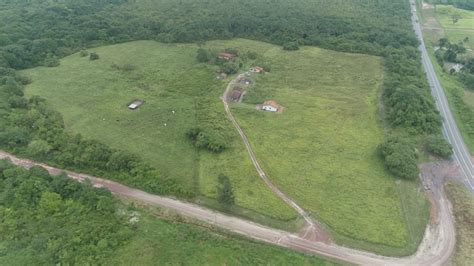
[
  {"x": 226, "y": 56},
  {"x": 270, "y": 106}
]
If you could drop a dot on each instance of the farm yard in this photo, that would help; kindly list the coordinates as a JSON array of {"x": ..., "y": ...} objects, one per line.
[{"x": 321, "y": 150}]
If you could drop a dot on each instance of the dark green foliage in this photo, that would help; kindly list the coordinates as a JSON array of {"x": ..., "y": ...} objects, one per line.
[
  {"x": 51, "y": 220},
  {"x": 32, "y": 128},
  {"x": 230, "y": 67},
  {"x": 291, "y": 46},
  {"x": 225, "y": 192},
  {"x": 463, "y": 4},
  {"x": 438, "y": 146},
  {"x": 400, "y": 158},
  {"x": 468, "y": 80},
  {"x": 51, "y": 61},
  {"x": 203, "y": 55},
  {"x": 83, "y": 53},
  {"x": 93, "y": 56},
  {"x": 207, "y": 139},
  {"x": 412, "y": 109}
]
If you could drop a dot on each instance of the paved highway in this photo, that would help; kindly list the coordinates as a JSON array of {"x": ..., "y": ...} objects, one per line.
[{"x": 450, "y": 130}]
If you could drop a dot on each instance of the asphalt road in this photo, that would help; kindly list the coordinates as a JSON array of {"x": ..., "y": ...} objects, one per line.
[{"x": 450, "y": 130}]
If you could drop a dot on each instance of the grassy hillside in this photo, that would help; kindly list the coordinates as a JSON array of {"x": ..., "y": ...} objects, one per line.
[{"x": 321, "y": 150}]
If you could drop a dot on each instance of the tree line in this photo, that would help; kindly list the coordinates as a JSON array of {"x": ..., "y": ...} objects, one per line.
[
  {"x": 33, "y": 33},
  {"x": 51, "y": 220}
]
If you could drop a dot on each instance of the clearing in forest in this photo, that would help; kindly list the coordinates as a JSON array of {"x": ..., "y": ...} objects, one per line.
[{"x": 321, "y": 151}]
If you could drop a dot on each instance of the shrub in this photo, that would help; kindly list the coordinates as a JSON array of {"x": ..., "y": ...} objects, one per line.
[
  {"x": 83, "y": 53},
  {"x": 225, "y": 192},
  {"x": 93, "y": 56},
  {"x": 400, "y": 158},
  {"x": 51, "y": 61},
  {"x": 210, "y": 140},
  {"x": 438, "y": 146},
  {"x": 203, "y": 55},
  {"x": 291, "y": 46}
]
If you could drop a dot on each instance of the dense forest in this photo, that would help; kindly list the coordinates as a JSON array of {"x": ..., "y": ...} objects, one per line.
[
  {"x": 46, "y": 220},
  {"x": 464, "y": 4},
  {"x": 35, "y": 32}
]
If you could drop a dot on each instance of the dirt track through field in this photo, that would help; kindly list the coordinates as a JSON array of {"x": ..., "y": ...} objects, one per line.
[
  {"x": 436, "y": 248},
  {"x": 313, "y": 230}
]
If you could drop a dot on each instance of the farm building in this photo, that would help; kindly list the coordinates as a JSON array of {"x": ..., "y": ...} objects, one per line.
[
  {"x": 270, "y": 106},
  {"x": 256, "y": 69},
  {"x": 135, "y": 104},
  {"x": 226, "y": 56},
  {"x": 235, "y": 95}
]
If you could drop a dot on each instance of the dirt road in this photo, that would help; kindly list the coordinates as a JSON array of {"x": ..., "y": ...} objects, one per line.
[
  {"x": 436, "y": 248},
  {"x": 313, "y": 229}
]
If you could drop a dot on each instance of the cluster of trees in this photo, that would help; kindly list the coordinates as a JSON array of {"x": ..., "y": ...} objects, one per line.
[
  {"x": 31, "y": 128},
  {"x": 463, "y": 4},
  {"x": 448, "y": 52},
  {"x": 400, "y": 157},
  {"x": 52, "y": 220},
  {"x": 35, "y": 32}
]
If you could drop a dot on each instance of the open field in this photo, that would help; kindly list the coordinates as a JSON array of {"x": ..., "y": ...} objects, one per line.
[
  {"x": 163, "y": 242},
  {"x": 93, "y": 98},
  {"x": 463, "y": 208},
  {"x": 321, "y": 150},
  {"x": 445, "y": 15}
]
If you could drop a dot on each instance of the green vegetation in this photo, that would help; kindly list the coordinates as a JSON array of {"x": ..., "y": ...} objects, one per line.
[
  {"x": 225, "y": 193},
  {"x": 438, "y": 146},
  {"x": 163, "y": 242},
  {"x": 400, "y": 158},
  {"x": 49, "y": 220},
  {"x": 463, "y": 208},
  {"x": 52, "y": 220},
  {"x": 452, "y": 17},
  {"x": 322, "y": 149},
  {"x": 180, "y": 95}
]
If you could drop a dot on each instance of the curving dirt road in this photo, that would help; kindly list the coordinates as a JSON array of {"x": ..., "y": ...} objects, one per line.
[
  {"x": 436, "y": 248},
  {"x": 313, "y": 229}
]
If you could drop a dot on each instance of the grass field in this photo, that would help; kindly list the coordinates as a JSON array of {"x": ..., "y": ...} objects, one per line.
[
  {"x": 168, "y": 242},
  {"x": 463, "y": 208},
  {"x": 458, "y": 31},
  {"x": 445, "y": 15},
  {"x": 93, "y": 98},
  {"x": 321, "y": 150}
]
